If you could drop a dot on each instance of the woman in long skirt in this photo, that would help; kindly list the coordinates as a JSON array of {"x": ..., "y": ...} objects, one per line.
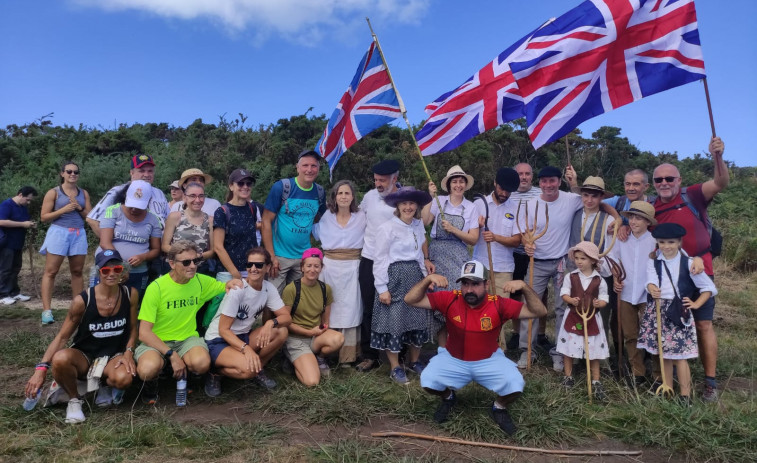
[
  {"x": 399, "y": 265},
  {"x": 340, "y": 232}
]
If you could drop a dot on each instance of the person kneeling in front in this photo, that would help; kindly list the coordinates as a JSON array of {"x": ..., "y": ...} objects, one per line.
[
  {"x": 238, "y": 351},
  {"x": 168, "y": 328},
  {"x": 473, "y": 319}
]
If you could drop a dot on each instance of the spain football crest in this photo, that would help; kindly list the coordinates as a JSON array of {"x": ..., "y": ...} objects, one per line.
[{"x": 486, "y": 324}]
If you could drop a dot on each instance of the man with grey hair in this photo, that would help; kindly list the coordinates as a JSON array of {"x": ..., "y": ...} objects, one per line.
[
  {"x": 635, "y": 185},
  {"x": 688, "y": 208}
]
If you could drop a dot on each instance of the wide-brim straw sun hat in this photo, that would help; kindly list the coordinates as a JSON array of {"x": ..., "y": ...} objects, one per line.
[
  {"x": 587, "y": 247},
  {"x": 457, "y": 171}
]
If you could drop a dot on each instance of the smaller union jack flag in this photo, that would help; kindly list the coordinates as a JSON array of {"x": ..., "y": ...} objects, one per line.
[
  {"x": 489, "y": 98},
  {"x": 604, "y": 54},
  {"x": 369, "y": 102}
]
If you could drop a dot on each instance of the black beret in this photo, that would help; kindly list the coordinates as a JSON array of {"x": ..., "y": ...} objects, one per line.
[
  {"x": 386, "y": 167},
  {"x": 668, "y": 230},
  {"x": 508, "y": 179},
  {"x": 550, "y": 171}
]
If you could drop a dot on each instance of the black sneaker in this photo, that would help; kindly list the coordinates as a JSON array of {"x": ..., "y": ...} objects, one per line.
[
  {"x": 442, "y": 412},
  {"x": 502, "y": 417},
  {"x": 513, "y": 342},
  {"x": 150, "y": 392},
  {"x": 568, "y": 382},
  {"x": 710, "y": 393},
  {"x": 543, "y": 343},
  {"x": 599, "y": 391}
]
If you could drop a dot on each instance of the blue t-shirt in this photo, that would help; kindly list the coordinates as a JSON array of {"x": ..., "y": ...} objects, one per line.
[
  {"x": 294, "y": 219},
  {"x": 9, "y": 210},
  {"x": 240, "y": 232}
]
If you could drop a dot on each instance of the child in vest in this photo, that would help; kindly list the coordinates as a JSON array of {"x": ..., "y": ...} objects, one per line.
[
  {"x": 581, "y": 287},
  {"x": 669, "y": 279}
]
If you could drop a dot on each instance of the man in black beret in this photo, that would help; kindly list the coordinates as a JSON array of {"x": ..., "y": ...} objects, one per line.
[{"x": 385, "y": 175}]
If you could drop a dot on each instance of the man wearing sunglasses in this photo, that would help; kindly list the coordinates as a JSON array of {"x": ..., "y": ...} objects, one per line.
[
  {"x": 168, "y": 328},
  {"x": 672, "y": 207},
  {"x": 292, "y": 206},
  {"x": 142, "y": 168}
]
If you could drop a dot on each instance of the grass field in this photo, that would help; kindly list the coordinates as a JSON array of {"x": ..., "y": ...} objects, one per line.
[{"x": 333, "y": 422}]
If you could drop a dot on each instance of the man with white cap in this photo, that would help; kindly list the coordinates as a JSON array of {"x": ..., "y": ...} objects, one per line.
[
  {"x": 473, "y": 319},
  {"x": 142, "y": 168},
  {"x": 195, "y": 175}
]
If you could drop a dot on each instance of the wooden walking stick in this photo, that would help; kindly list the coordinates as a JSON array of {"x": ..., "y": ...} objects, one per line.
[
  {"x": 664, "y": 390},
  {"x": 530, "y": 237},
  {"x": 492, "y": 285},
  {"x": 619, "y": 274},
  {"x": 586, "y": 311}
]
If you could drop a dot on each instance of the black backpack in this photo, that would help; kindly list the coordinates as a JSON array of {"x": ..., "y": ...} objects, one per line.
[
  {"x": 716, "y": 238},
  {"x": 298, "y": 290}
]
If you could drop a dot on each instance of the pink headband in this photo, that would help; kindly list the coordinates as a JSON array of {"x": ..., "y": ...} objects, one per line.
[{"x": 312, "y": 252}]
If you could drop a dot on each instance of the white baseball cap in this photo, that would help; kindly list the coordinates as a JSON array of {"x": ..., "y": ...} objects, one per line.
[{"x": 472, "y": 270}]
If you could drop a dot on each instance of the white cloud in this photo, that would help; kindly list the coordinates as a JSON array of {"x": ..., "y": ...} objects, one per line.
[{"x": 288, "y": 18}]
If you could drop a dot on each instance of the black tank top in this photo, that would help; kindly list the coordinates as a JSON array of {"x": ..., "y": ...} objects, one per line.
[{"x": 98, "y": 335}]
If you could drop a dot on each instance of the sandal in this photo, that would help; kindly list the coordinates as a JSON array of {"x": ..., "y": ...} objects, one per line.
[{"x": 367, "y": 365}]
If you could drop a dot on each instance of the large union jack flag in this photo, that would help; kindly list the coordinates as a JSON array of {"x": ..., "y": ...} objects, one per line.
[
  {"x": 604, "y": 54},
  {"x": 489, "y": 98},
  {"x": 369, "y": 102}
]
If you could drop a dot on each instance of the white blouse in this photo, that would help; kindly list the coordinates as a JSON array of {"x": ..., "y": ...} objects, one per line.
[
  {"x": 397, "y": 241},
  {"x": 701, "y": 281},
  {"x": 334, "y": 236},
  {"x": 585, "y": 280},
  {"x": 466, "y": 209},
  {"x": 634, "y": 255}
]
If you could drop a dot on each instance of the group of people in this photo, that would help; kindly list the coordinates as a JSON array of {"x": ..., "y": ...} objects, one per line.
[{"x": 377, "y": 288}]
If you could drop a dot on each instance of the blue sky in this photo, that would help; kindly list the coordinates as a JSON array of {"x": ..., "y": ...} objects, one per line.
[{"x": 108, "y": 62}]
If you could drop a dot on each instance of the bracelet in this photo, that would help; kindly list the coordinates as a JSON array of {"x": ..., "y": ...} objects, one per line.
[
  {"x": 130, "y": 349},
  {"x": 241, "y": 349},
  {"x": 42, "y": 366}
]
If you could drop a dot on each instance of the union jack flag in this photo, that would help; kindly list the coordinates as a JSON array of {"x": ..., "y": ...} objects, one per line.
[
  {"x": 604, "y": 54},
  {"x": 489, "y": 98},
  {"x": 369, "y": 102}
]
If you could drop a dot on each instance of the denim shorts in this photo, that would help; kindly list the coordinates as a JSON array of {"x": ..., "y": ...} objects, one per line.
[
  {"x": 216, "y": 345},
  {"x": 65, "y": 241}
]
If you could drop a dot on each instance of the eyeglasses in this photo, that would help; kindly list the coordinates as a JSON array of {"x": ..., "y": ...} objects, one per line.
[
  {"x": 244, "y": 183},
  {"x": 115, "y": 269},
  {"x": 197, "y": 261},
  {"x": 193, "y": 197},
  {"x": 72, "y": 172},
  {"x": 667, "y": 179},
  {"x": 255, "y": 264}
]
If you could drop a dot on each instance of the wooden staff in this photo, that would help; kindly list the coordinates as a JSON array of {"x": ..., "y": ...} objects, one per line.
[
  {"x": 664, "y": 390},
  {"x": 492, "y": 287},
  {"x": 712, "y": 121},
  {"x": 619, "y": 274},
  {"x": 403, "y": 110},
  {"x": 506, "y": 447},
  {"x": 586, "y": 311},
  {"x": 530, "y": 237}
]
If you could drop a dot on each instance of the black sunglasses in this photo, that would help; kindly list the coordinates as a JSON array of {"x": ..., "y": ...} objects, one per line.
[
  {"x": 244, "y": 183},
  {"x": 72, "y": 172},
  {"x": 667, "y": 179},
  {"x": 255, "y": 264},
  {"x": 197, "y": 261}
]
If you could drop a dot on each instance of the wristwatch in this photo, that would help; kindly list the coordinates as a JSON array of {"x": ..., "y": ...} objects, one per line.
[
  {"x": 275, "y": 322},
  {"x": 168, "y": 354},
  {"x": 130, "y": 349}
]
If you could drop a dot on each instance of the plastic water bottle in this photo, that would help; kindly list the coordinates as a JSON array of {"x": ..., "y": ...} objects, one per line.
[
  {"x": 181, "y": 392},
  {"x": 31, "y": 402},
  {"x": 93, "y": 276}
]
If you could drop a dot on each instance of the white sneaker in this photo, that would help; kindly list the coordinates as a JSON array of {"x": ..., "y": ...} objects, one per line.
[
  {"x": 74, "y": 414},
  {"x": 557, "y": 360},
  {"x": 7, "y": 301},
  {"x": 523, "y": 360},
  {"x": 104, "y": 397},
  {"x": 22, "y": 297}
]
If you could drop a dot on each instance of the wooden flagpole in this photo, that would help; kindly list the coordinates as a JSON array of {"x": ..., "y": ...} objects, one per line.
[
  {"x": 403, "y": 110},
  {"x": 712, "y": 120}
]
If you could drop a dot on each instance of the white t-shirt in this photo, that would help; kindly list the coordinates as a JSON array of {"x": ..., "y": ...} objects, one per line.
[
  {"x": 554, "y": 243},
  {"x": 501, "y": 222},
  {"x": 245, "y": 305},
  {"x": 377, "y": 212}
]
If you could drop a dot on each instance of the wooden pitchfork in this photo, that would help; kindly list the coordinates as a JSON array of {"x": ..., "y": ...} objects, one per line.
[
  {"x": 530, "y": 237},
  {"x": 619, "y": 274},
  {"x": 664, "y": 389},
  {"x": 586, "y": 311}
]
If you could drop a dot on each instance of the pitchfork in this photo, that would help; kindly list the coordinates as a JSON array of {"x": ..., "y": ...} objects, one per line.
[
  {"x": 530, "y": 237},
  {"x": 586, "y": 311},
  {"x": 664, "y": 389},
  {"x": 619, "y": 274}
]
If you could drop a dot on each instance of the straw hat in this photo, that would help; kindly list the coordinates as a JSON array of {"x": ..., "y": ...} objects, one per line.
[
  {"x": 194, "y": 172},
  {"x": 457, "y": 171},
  {"x": 642, "y": 209},
  {"x": 596, "y": 185}
]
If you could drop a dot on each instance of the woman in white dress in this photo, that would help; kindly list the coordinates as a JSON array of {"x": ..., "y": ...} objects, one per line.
[{"x": 340, "y": 232}]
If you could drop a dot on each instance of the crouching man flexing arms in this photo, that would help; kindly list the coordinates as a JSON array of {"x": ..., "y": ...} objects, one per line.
[{"x": 473, "y": 319}]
